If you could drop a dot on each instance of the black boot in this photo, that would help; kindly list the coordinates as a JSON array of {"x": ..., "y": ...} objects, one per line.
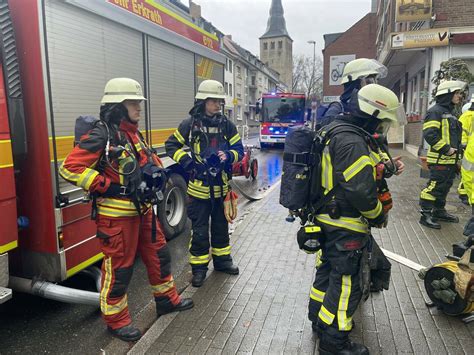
[
  {"x": 428, "y": 221},
  {"x": 443, "y": 215},
  {"x": 127, "y": 333},
  {"x": 198, "y": 278},
  {"x": 349, "y": 348},
  {"x": 228, "y": 268},
  {"x": 186, "y": 303}
]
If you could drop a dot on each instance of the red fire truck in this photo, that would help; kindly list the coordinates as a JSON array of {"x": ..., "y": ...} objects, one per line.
[
  {"x": 278, "y": 112},
  {"x": 55, "y": 58}
]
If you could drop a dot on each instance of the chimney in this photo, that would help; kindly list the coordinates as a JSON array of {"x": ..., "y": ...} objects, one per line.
[{"x": 194, "y": 10}]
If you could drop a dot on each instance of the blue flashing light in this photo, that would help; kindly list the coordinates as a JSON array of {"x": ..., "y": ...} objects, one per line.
[
  {"x": 277, "y": 132},
  {"x": 271, "y": 128},
  {"x": 273, "y": 93}
]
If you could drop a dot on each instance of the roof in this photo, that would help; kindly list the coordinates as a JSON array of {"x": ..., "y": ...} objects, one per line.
[
  {"x": 330, "y": 38},
  {"x": 276, "y": 25}
]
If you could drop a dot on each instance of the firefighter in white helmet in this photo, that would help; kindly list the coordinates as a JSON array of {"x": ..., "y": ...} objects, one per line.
[
  {"x": 215, "y": 145},
  {"x": 348, "y": 167},
  {"x": 442, "y": 131}
]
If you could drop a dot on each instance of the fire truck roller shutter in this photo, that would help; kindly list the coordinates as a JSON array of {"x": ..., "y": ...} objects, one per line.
[{"x": 91, "y": 50}]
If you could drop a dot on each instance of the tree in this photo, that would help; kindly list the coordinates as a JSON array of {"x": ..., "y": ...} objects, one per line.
[{"x": 308, "y": 75}]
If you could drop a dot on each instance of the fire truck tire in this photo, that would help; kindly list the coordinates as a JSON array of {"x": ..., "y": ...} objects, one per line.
[
  {"x": 253, "y": 168},
  {"x": 172, "y": 210}
]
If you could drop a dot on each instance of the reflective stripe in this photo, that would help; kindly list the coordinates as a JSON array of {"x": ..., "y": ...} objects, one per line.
[
  {"x": 68, "y": 175},
  {"x": 9, "y": 246},
  {"x": 319, "y": 258},
  {"x": 87, "y": 178},
  {"x": 317, "y": 295},
  {"x": 221, "y": 251},
  {"x": 178, "y": 155},
  {"x": 356, "y": 167},
  {"x": 353, "y": 224},
  {"x": 425, "y": 193},
  {"x": 445, "y": 133},
  {"x": 467, "y": 165},
  {"x": 431, "y": 124},
  {"x": 234, "y": 139},
  {"x": 179, "y": 137},
  {"x": 326, "y": 316},
  {"x": 236, "y": 155},
  {"x": 344, "y": 322},
  {"x": 373, "y": 213},
  {"x": 441, "y": 143},
  {"x": 197, "y": 189},
  {"x": 326, "y": 170},
  {"x": 199, "y": 260},
  {"x": 6, "y": 155},
  {"x": 164, "y": 287}
]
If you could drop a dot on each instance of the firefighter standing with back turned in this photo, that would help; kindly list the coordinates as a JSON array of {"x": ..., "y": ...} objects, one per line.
[
  {"x": 442, "y": 132},
  {"x": 349, "y": 167},
  {"x": 215, "y": 144},
  {"x": 126, "y": 223}
]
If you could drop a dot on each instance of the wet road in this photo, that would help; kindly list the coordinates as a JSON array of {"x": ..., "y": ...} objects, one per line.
[{"x": 30, "y": 324}]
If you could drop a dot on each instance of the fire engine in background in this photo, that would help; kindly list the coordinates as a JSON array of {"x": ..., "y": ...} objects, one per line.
[
  {"x": 278, "y": 112},
  {"x": 56, "y": 56}
]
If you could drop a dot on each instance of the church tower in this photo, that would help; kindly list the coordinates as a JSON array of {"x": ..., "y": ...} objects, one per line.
[{"x": 276, "y": 45}]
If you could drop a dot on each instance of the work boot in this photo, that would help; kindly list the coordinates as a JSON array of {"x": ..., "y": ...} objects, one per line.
[
  {"x": 186, "y": 303},
  {"x": 229, "y": 268},
  {"x": 349, "y": 348},
  {"x": 127, "y": 333},
  {"x": 428, "y": 221},
  {"x": 198, "y": 278},
  {"x": 443, "y": 215}
]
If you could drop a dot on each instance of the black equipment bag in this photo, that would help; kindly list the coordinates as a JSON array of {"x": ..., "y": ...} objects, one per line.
[{"x": 84, "y": 124}]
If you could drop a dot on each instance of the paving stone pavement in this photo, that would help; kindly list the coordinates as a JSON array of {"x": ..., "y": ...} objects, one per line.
[{"x": 264, "y": 309}]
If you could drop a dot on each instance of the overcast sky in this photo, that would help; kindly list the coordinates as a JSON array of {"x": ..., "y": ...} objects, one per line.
[{"x": 246, "y": 20}]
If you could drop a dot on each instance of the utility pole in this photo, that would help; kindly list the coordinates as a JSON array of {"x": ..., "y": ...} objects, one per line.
[{"x": 313, "y": 98}]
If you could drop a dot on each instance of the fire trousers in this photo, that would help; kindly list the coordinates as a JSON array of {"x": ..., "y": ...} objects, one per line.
[
  {"x": 337, "y": 288},
  {"x": 200, "y": 211},
  {"x": 441, "y": 180},
  {"x": 120, "y": 240}
]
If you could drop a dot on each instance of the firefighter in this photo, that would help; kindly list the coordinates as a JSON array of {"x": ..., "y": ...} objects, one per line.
[
  {"x": 349, "y": 167},
  {"x": 214, "y": 144},
  {"x": 467, "y": 166},
  {"x": 108, "y": 162},
  {"x": 442, "y": 131}
]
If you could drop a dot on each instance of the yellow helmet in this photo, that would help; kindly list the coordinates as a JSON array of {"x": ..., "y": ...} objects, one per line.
[
  {"x": 362, "y": 68},
  {"x": 210, "y": 89},
  {"x": 118, "y": 90},
  {"x": 450, "y": 86},
  {"x": 381, "y": 103}
]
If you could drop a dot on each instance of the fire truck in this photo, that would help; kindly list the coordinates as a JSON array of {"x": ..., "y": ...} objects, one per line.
[
  {"x": 56, "y": 56},
  {"x": 279, "y": 111}
]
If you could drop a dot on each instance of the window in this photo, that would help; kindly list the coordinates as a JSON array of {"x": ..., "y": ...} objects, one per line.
[
  {"x": 230, "y": 89},
  {"x": 230, "y": 65},
  {"x": 253, "y": 80},
  {"x": 272, "y": 45},
  {"x": 238, "y": 90},
  {"x": 226, "y": 88},
  {"x": 226, "y": 65},
  {"x": 280, "y": 44},
  {"x": 265, "y": 46}
]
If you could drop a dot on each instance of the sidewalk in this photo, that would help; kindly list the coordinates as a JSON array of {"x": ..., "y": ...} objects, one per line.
[{"x": 264, "y": 309}]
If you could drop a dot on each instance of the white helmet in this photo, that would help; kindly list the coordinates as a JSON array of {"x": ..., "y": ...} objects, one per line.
[
  {"x": 362, "y": 68},
  {"x": 382, "y": 103},
  {"x": 210, "y": 89},
  {"x": 450, "y": 86},
  {"x": 118, "y": 90},
  {"x": 466, "y": 107}
]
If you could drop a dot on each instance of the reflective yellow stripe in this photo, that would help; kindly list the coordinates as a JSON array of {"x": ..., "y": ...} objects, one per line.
[
  {"x": 353, "y": 224},
  {"x": 6, "y": 156},
  {"x": 86, "y": 178},
  {"x": 344, "y": 322},
  {"x": 236, "y": 155},
  {"x": 312, "y": 229},
  {"x": 425, "y": 193},
  {"x": 326, "y": 316},
  {"x": 198, "y": 194},
  {"x": 178, "y": 155},
  {"x": 111, "y": 212},
  {"x": 199, "y": 260},
  {"x": 356, "y": 167},
  {"x": 326, "y": 170},
  {"x": 373, "y": 213},
  {"x": 221, "y": 251},
  {"x": 234, "y": 139},
  {"x": 431, "y": 124},
  {"x": 84, "y": 264},
  {"x": 377, "y": 158},
  {"x": 106, "y": 284},
  {"x": 68, "y": 175},
  {"x": 112, "y": 309},
  {"x": 319, "y": 258},
  {"x": 9, "y": 246},
  {"x": 164, "y": 287},
  {"x": 179, "y": 137},
  {"x": 441, "y": 143},
  {"x": 446, "y": 136},
  {"x": 317, "y": 295}
]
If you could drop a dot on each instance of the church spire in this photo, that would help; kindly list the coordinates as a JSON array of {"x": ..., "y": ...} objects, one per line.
[{"x": 276, "y": 25}]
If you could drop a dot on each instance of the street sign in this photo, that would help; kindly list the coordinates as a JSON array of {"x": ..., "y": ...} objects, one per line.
[{"x": 235, "y": 101}]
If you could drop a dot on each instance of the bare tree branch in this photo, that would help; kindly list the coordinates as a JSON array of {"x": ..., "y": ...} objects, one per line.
[{"x": 307, "y": 75}]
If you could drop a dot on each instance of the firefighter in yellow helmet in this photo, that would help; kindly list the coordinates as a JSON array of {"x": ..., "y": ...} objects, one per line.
[
  {"x": 466, "y": 122},
  {"x": 467, "y": 167},
  {"x": 348, "y": 173},
  {"x": 442, "y": 131},
  {"x": 215, "y": 145}
]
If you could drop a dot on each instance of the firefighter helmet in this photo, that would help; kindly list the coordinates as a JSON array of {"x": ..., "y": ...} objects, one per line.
[
  {"x": 210, "y": 89},
  {"x": 381, "y": 103},
  {"x": 466, "y": 107},
  {"x": 450, "y": 86},
  {"x": 118, "y": 90},
  {"x": 362, "y": 68}
]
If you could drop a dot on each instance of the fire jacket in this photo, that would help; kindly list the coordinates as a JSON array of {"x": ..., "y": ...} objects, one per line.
[
  {"x": 348, "y": 164},
  {"x": 205, "y": 136},
  {"x": 442, "y": 131},
  {"x": 85, "y": 166}
]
